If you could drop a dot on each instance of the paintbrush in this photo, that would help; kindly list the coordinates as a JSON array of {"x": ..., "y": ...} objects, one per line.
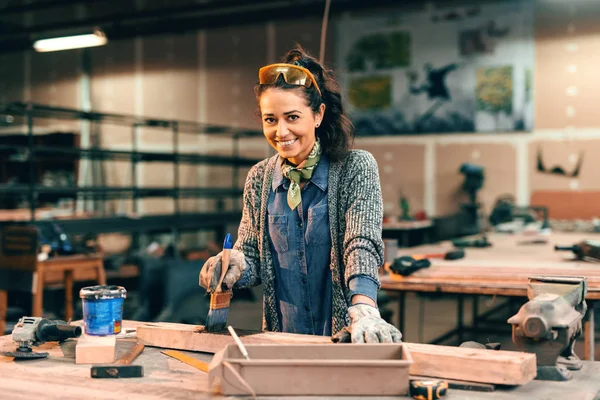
[{"x": 219, "y": 299}]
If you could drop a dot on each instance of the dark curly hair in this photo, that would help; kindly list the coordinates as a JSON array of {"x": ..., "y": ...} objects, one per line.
[{"x": 335, "y": 132}]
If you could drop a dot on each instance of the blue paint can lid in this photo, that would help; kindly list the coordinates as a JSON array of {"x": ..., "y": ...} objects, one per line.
[{"x": 102, "y": 292}]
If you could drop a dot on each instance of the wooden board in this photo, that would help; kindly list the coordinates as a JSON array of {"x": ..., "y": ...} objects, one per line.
[
  {"x": 95, "y": 349},
  {"x": 496, "y": 367}
]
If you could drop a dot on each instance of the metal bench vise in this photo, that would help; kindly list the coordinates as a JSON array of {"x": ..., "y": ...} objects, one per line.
[{"x": 550, "y": 322}]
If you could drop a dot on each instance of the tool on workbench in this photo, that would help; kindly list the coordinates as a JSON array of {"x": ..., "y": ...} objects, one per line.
[
  {"x": 550, "y": 322},
  {"x": 455, "y": 254},
  {"x": 474, "y": 177},
  {"x": 480, "y": 242},
  {"x": 406, "y": 265},
  {"x": 475, "y": 345},
  {"x": 34, "y": 331},
  {"x": 428, "y": 389},
  {"x": 238, "y": 342},
  {"x": 584, "y": 250},
  {"x": 219, "y": 299},
  {"x": 507, "y": 217},
  {"x": 122, "y": 368},
  {"x": 184, "y": 358},
  {"x": 532, "y": 241}
]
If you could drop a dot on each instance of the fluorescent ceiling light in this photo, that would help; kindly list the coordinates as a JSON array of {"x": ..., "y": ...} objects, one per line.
[{"x": 71, "y": 42}]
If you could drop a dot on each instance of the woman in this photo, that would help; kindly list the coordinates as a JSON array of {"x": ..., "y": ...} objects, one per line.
[{"x": 312, "y": 214}]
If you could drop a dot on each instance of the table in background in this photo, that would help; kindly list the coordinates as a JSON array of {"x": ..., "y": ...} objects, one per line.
[
  {"x": 67, "y": 269},
  {"x": 502, "y": 269},
  {"x": 401, "y": 230}
]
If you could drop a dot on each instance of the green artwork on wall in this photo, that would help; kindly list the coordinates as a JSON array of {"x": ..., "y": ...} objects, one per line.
[
  {"x": 494, "y": 90},
  {"x": 371, "y": 93},
  {"x": 381, "y": 51}
]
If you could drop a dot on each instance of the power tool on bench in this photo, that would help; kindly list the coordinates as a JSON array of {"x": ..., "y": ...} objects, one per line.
[
  {"x": 478, "y": 242},
  {"x": 406, "y": 265},
  {"x": 34, "y": 331},
  {"x": 584, "y": 250},
  {"x": 550, "y": 322}
]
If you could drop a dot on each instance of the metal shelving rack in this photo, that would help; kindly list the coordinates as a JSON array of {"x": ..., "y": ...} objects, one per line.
[{"x": 178, "y": 221}]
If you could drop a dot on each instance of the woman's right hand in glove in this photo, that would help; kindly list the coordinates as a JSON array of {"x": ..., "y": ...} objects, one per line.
[{"x": 211, "y": 271}]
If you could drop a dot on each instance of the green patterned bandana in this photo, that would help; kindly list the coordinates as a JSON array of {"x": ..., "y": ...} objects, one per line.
[{"x": 303, "y": 171}]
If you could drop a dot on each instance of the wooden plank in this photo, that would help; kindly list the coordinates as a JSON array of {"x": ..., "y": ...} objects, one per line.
[{"x": 475, "y": 365}]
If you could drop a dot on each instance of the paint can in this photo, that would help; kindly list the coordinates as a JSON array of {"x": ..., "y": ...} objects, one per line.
[{"x": 102, "y": 309}]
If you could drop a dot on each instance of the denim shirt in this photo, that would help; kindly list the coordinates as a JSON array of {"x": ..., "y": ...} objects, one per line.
[{"x": 300, "y": 242}]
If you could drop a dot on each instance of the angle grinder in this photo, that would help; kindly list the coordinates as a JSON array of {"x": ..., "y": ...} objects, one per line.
[{"x": 34, "y": 331}]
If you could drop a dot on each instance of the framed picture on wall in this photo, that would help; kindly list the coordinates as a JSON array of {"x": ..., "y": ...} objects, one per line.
[{"x": 460, "y": 70}]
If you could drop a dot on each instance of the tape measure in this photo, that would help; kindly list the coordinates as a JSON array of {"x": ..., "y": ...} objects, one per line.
[{"x": 428, "y": 389}]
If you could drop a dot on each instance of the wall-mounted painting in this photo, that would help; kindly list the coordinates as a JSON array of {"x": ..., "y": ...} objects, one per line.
[{"x": 442, "y": 71}]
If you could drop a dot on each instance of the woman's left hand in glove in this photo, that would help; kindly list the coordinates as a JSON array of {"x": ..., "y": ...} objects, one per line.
[{"x": 367, "y": 326}]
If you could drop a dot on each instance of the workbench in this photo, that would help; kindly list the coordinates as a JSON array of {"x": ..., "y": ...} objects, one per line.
[
  {"x": 400, "y": 230},
  {"x": 165, "y": 378},
  {"x": 500, "y": 270}
]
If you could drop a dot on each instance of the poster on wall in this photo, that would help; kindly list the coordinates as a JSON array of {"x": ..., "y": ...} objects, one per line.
[{"x": 467, "y": 69}]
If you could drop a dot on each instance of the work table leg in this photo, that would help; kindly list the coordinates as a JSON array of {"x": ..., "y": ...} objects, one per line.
[
  {"x": 589, "y": 332},
  {"x": 68, "y": 281},
  {"x": 401, "y": 313},
  {"x": 460, "y": 308},
  {"x": 38, "y": 296},
  {"x": 3, "y": 309},
  {"x": 101, "y": 273}
]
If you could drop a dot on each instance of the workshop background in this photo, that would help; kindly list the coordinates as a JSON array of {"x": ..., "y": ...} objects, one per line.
[{"x": 179, "y": 75}]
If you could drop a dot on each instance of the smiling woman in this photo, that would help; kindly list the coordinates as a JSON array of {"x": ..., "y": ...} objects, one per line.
[{"x": 312, "y": 218}]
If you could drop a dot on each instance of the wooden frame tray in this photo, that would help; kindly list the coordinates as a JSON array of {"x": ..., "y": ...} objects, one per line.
[{"x": 313, "y": 370}]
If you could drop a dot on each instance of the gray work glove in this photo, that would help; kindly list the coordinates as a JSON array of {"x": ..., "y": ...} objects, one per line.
[
  {"x": 367, "y": 326},
  {"x": 211, "y": 271}
]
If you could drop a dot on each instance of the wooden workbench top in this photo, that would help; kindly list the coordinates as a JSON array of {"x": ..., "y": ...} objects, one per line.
[
  {"x": 164, "y": 378},
  {"x": 502, "y": 269},
  {"x": 506, "y": 247}
]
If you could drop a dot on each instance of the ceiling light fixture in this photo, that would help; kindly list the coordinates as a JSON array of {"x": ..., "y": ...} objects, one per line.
[{"x": 97, "y": 38}]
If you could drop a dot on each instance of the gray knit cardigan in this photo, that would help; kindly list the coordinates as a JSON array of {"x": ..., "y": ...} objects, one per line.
[{"x": 355, "y": 218}]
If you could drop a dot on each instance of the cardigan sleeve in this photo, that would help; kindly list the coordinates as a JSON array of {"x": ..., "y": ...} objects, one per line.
[
  {"x": 247, "y": 241},
  {"x": 363, "y": 243}
]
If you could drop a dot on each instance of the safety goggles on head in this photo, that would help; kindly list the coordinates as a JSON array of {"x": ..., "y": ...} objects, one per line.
[{"x": 292, "y": 74}]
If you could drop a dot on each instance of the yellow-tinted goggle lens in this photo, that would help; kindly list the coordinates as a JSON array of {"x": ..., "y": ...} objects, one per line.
[{"x": 292, "y": 75}]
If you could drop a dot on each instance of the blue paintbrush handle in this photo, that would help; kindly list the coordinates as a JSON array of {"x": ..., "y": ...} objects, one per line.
[{"x": 227, "y": 245}]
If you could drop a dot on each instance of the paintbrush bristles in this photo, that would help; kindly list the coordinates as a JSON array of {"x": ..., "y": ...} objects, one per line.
[{"x": 216, "y": 320}]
